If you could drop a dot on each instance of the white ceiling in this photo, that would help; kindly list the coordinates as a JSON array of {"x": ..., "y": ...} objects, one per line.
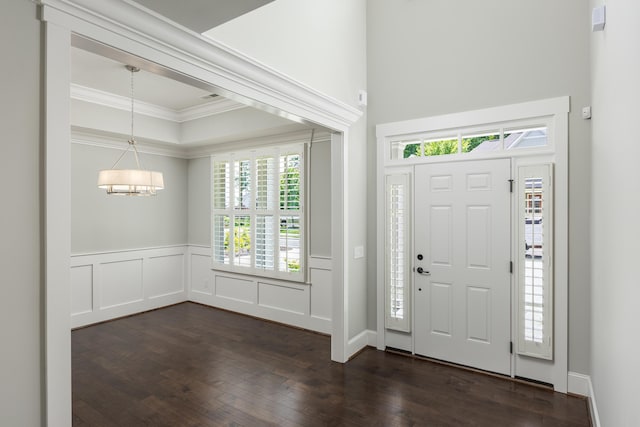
[{"x": 98, "y": 72}]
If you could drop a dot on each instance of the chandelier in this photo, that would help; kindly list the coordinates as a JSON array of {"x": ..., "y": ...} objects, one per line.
[{"x": 130, "y": 182}]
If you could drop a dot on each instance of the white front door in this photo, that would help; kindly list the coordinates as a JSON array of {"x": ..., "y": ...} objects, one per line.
[{"x": 462, "y": 244}]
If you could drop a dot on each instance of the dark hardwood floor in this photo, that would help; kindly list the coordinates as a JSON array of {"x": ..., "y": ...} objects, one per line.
[{"x": 190, "y": 365}]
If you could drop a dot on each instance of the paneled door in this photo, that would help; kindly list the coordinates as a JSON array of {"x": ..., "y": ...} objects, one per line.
[{"x": 462, "y": 283}]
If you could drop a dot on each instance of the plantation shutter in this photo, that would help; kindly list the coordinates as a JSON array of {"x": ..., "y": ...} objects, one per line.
[
  {"x": 535, "y": 287},
  {"x": 397, "y": 273}
]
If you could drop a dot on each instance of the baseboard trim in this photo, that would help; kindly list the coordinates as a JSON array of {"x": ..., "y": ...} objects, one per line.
[
  {"x": 593, "y": 409},
  {"x": 366, "y": 338},
  {"x": 581, "y": 384},
  {"x": 356, "y": 344},
  {"x": 578, "y": 384},
  {"x": 372, "y": 338}
]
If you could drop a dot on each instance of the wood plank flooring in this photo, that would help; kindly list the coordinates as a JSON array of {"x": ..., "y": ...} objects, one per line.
[{"x": 190, "y": 365}]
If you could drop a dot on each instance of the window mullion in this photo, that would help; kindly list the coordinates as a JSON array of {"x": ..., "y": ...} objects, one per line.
[{"x": 276, "y": 210}]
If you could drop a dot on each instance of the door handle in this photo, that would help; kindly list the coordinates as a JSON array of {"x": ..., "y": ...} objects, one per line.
[{"x": 422, "y": 271}]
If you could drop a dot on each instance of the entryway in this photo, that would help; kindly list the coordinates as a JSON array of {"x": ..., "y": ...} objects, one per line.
[
  {"x": 461, "y": 263},
  {"x": 464, "y": 192}
]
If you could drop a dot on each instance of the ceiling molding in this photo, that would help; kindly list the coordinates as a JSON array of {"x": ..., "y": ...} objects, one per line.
[
  {"x": 217, "y": 106},
  {"x": 99, "y": 97},
  {"x": 125, "y": 23},
  {"x": 112, "y": 141}
]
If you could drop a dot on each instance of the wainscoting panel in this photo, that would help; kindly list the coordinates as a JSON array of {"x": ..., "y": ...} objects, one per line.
[
  {"x": 290, "y": 303},
  {"x": 290, "y": 297},
  {"x": 81, "y": 289},
  {"x": 120, "y": 283},
  {"x": 321, "y": 280},
  {"x": 201, "y": 276},
  {"x": 165, "y": 275},
  {"x": 108, "y": 285},
  {"x": 232, "y": 288}
]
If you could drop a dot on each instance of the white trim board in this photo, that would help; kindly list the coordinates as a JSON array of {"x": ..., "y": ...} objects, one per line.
[
  {"x": 113, "y": 141},
  {"x": 112, "y": 284},
  {"x": 581, "y": 384},
  {"x": 525, "y": 110},
  {"x": 303, "y": 305},
  {"x": 239, "y": 77},
  {"x": 106, "y": 99}
]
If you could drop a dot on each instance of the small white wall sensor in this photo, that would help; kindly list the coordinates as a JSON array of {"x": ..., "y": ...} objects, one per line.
[
  {"x": 362, "y": 98},
  {"x": 586, "y": 113},
  {"x": 598, "y": 18}
]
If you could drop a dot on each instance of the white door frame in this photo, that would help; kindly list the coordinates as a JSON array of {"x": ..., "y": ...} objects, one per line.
[
  {"x": 125, "y": 26},
  {"x": 554, "y": 113}
]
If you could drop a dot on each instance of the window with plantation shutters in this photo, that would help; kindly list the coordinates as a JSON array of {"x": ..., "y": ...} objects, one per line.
[
  {"x": 257, "y": 212},
  {"x": 535, "y": 290},
  {"x": 397, "y": 275}
]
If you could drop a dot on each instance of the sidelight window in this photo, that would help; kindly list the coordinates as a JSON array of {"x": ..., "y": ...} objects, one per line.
[
  {"x": 397, "y": 275},
  {"x": 535, "y": 315}
]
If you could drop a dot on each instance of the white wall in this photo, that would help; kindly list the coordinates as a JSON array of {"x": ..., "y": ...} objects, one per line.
[
  {"x": 437, "y": 57},
  {"x": 21, "y": 372},
  {"x": 105, "y": 223},
  {"x": 615, "y": 228}
]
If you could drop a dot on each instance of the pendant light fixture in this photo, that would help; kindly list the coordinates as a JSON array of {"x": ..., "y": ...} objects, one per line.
[{"x": 130, "y": 182}]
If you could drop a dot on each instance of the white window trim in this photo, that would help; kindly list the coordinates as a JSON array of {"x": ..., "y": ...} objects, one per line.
[
  {"x": 252, "y": 212},
  {"x": 399, "y": 324},
  {"x": 544, "y": 349}
]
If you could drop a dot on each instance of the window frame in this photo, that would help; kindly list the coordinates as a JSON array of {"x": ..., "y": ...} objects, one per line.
[
  {"x": 542, "y": 349},
  {"x": 398, "y": 277},
  {"x": 460, "y": 132},
  {"x": 254, "y": 212}
]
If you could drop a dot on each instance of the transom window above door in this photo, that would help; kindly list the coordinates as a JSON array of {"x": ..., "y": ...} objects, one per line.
[{"x": 467, "y": 141}]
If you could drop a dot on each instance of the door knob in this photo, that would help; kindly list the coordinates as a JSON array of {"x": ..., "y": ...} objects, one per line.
[{"x": 422, "y": 271}]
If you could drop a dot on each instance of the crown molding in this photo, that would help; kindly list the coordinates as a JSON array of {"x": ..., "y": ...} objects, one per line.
[
  {"x": 217, "y": 106},
  {"x": 95, "y": 138},
  {"x": 113, "y": 141},
  {"x": 124, "y": 22},
  {"x": 107, "y": 99}
]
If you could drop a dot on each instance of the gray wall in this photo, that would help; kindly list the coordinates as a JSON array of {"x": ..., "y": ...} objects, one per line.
[
  {"x": 320, "y": 199},
  {"x": 21, "y": 367},
  {"x": 199, "y": 201},
  {"x": 615, "y": 227},
  {"x": 434, "y": 57},
  {"x": 102, "y": 223}
]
